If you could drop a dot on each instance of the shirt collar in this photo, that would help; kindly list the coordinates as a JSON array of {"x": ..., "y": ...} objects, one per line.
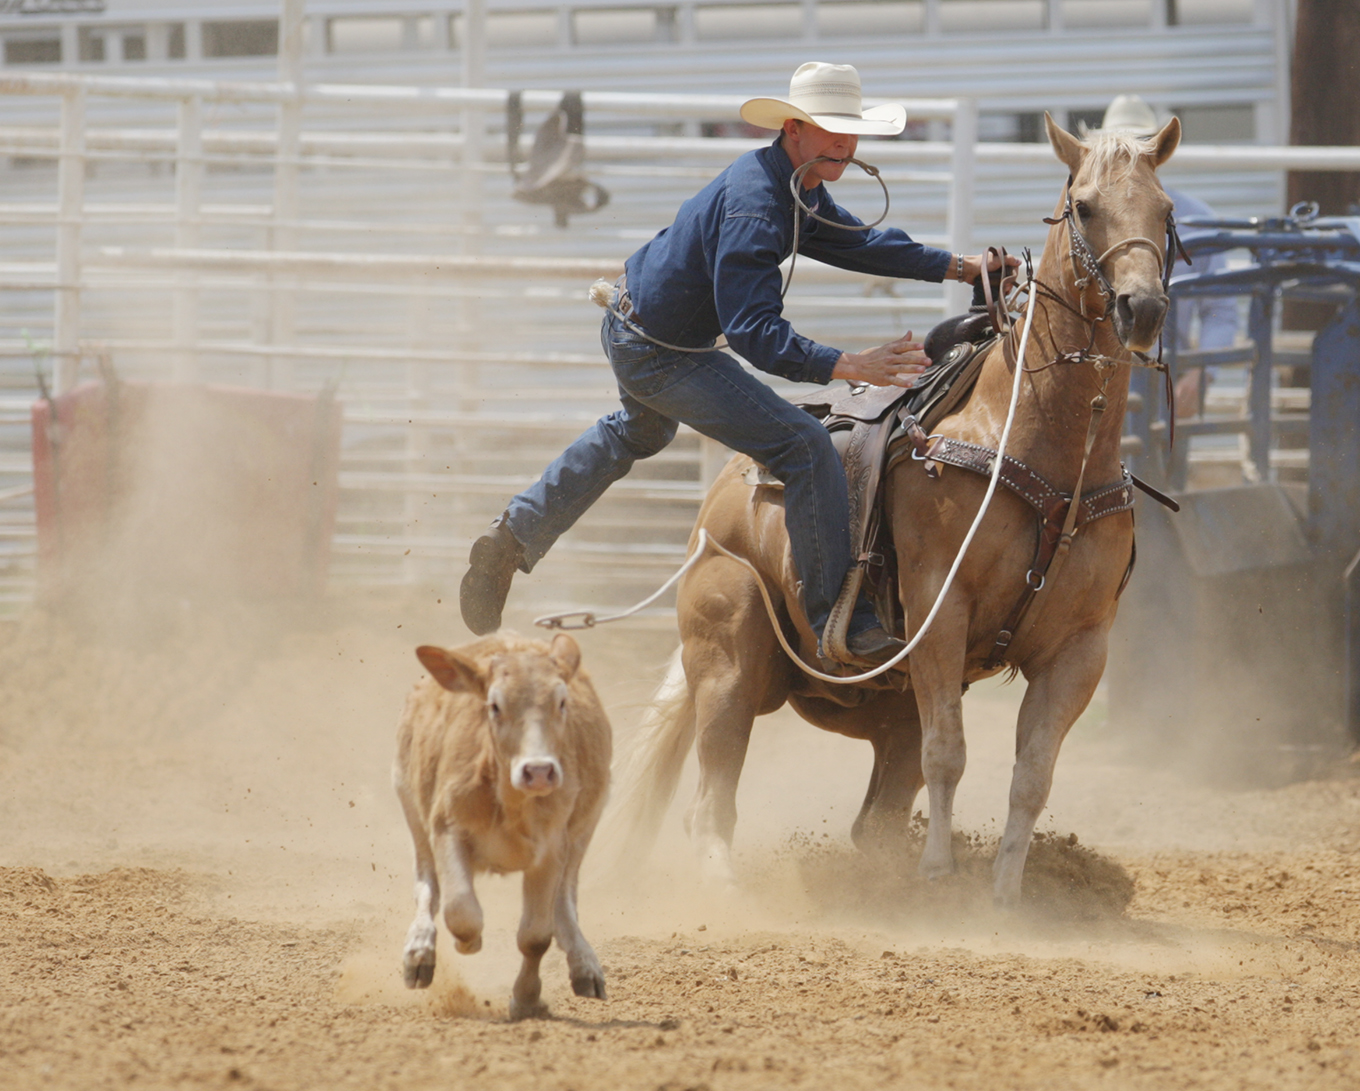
[{"x": 781, "y": 166}]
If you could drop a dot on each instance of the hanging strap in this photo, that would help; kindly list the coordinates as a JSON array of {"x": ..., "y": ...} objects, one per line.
[{"x": 514, "y": 126}]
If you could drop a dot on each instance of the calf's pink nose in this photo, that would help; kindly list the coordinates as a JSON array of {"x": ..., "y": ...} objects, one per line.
[{"x": 539, "y": 775}]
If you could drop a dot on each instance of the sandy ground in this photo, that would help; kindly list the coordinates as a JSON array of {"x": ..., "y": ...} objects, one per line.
[{"x": 204, "y": 882}]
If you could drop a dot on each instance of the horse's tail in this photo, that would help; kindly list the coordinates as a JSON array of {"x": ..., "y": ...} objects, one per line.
[{"x": 647, "y": 769}]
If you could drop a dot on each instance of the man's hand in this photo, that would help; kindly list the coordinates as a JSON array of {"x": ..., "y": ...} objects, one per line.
[
  {"x": 972, "y": 266},
  {"x": 894, "y": 364}
]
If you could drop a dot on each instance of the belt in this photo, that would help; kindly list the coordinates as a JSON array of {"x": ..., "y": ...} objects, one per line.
[{"x": 624, "y": 301}]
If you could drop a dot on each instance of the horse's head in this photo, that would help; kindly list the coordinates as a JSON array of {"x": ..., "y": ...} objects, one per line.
[{"x": 1120, "y": 209}]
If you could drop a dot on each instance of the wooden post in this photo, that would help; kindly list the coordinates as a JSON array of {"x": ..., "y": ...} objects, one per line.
[{"x": 71, "y": 212}]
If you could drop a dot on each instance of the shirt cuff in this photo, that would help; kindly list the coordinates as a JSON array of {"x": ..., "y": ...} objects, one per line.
[{"x": 821, "y": 363}]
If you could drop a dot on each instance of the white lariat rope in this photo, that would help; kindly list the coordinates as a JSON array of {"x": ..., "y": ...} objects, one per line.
[{"x": 585, "y": 619}]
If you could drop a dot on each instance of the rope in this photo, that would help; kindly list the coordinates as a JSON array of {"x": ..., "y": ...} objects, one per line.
[
  {"x": 795, "y": 184},
  {"x": 589, "y": 620}
]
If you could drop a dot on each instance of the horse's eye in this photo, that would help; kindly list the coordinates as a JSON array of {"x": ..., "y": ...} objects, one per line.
[{"x": 1083, "y": 209}]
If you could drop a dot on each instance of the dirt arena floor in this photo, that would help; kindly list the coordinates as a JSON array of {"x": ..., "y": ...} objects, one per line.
[{"x": 205, "y": 882}]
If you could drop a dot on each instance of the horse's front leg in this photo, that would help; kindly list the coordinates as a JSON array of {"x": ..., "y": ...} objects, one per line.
[
  {"x": 937, "y": 677},
  {"x": 1057, "y": 694}
]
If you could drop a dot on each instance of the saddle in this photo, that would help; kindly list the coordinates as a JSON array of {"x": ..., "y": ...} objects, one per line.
[{"x": 869, "y": 424}]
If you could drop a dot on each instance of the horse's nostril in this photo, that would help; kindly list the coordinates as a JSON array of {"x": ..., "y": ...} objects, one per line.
[{"x": 1124, "y": 307}]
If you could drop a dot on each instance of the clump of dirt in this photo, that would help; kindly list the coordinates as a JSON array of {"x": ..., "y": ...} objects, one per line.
[
  {"x": 1067, "y": 880},
  {"x": 1064, "y": 881},
  {"x": 25, "y": 885}
]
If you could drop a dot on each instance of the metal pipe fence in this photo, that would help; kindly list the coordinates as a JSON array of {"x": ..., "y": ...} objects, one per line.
[{"x": 227, "y": 238}]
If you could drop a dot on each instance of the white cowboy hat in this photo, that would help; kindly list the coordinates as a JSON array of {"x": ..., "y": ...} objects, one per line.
[
  {"x": 1127, "y": 114},
  {"x": 827, "y": 95}
]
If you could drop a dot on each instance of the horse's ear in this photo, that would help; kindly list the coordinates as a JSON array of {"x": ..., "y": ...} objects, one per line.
[
  {"x": 1065, "y": 146},
  {"x": 1166, "y": 141}
]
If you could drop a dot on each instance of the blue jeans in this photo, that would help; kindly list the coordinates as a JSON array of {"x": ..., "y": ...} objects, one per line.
[{"x": 711, "y": 393}]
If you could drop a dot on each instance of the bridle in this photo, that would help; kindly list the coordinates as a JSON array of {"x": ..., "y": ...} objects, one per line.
[{"x": 1088, "y": 269}]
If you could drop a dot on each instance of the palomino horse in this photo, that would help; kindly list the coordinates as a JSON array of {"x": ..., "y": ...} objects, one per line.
[{"x": 1099, "y": 298}]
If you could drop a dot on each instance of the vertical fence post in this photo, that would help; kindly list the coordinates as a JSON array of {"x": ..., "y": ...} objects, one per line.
[
  {"x": 473, "y": 123},
  {"x": 963, "y": 166},
  {"x": 188, "y": 203},
  {"x": 284, "y": 235},
  {"x": 70, "y": 213},
  {"x": 809, "y": 20},
  {"x": 1260, "y": 327},
  {"x": 932, "y": 18}
]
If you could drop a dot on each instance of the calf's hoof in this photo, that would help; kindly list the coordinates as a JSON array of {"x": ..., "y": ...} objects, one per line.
[
  {"x": 417, "y": 969},
  {"x": 468, "y": 946},
  {"x": 589, "y": 983}
]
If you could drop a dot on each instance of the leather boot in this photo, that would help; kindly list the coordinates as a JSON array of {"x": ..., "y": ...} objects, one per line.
[
  {"x": 867, "y": 648},
  {"x": 873, "y": 646},
  {"x": 492, "y": 563}
]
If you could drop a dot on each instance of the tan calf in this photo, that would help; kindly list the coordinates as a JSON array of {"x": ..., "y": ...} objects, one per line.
[{"x": 503, "y": 765}]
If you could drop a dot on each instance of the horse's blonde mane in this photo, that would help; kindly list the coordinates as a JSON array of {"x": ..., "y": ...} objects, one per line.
[{"x": 1112, "y": 156}]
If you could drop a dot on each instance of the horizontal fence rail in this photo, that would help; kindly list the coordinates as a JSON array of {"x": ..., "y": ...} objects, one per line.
[{"x": 211, "y": 235}]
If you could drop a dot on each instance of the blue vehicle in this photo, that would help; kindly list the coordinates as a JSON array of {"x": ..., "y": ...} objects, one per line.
[{"x": 1239, "y": 635}]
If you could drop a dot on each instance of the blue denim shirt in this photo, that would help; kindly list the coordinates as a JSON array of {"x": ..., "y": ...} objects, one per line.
[{"x": 716, "y": 269}]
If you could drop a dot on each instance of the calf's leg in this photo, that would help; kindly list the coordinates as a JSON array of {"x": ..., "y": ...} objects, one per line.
[
  {"x": 541, "y": 884},
  {"x": 462, "y": 911},
  {"x": 418, "y": 956},
  {"x": 587, "y": 976}
]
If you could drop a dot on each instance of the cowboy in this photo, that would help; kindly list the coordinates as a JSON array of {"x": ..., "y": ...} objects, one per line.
[
  {"x": 1217, "y": 315},
  {"x": 716, "y": 271}
]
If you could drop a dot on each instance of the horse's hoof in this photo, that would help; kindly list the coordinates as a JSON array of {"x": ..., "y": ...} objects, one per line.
[
  {"x": 468, "y": 946},
  {"x": 589, "y": 983},
  {"x": 933, "y": 873},
  {"x": 533, "y": 1010}
]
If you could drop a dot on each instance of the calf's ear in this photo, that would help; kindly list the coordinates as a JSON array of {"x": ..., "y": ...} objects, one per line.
[
  {"x": 451, "y": 670},
  {"x": 566, "y": 653}
]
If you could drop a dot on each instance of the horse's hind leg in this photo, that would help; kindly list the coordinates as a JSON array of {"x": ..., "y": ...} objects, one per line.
[
  {"x": 729, "y": 675},
  {"x": 891, "y": 723},
  {"x": 885, "y": 817},
  {"x": 1056, "y": 696}
]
